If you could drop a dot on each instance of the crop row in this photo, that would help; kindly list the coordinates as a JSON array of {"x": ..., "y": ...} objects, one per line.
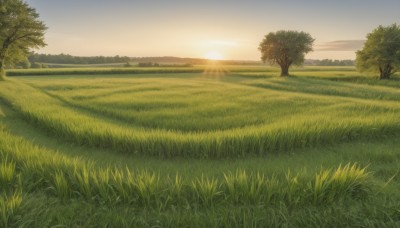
[
  {"x": 26, "y": 168},
  {"x": 169, "y": 69},
  {"x": 85, "y": 128}
]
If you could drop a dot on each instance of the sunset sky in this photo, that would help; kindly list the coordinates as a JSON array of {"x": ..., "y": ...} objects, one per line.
[{"x": 230, "y": 29}]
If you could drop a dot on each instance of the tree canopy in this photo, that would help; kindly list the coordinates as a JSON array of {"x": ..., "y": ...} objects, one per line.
[
  {"x": 381, "y": 52},
  {"x": 285, "y": 48},
  {"x": 20, "y": 30}
]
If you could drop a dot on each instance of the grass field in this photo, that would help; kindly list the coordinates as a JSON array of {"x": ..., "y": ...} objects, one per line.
[{"x": 228, "y": 146}]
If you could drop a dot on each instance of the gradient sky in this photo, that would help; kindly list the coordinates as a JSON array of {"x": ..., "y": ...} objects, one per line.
[{"x": 186, "y": 28}]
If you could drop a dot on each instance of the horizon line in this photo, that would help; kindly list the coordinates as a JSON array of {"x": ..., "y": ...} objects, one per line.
[{"x": 179, "y": 57}]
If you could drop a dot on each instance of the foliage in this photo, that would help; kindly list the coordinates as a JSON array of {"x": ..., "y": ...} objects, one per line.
[
  {"x": 330, "y": 62},
  {"x": 127, "y": 64},
  {"x": 285, "y": 48},
  {"x": 24, "y": 64},
  {"x": 69, "y": 59},
  {"x": 36, "y": 65},
  {"x": 148, "y": 64},
  {"x": 381, "y": 51},
  {"x": 20, "y": 30}
]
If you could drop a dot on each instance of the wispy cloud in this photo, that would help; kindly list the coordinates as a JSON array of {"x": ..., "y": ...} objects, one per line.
[{"x": 341, "y": 45}]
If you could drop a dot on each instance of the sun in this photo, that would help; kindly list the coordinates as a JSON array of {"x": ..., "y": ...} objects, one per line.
[{"x": 214, "y": 55}]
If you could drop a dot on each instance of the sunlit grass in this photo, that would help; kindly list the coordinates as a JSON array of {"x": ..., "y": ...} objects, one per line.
[
  {"x": 9, "y": 206},
  {"x": 123, "y": 150},
  {"x": 44, "y": 170},
  {"x": 195, "y": 117},
  {"x": 215, "y": 70}
]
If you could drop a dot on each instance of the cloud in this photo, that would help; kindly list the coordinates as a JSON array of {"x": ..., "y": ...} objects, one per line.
[{"x": 341, "y": 45}]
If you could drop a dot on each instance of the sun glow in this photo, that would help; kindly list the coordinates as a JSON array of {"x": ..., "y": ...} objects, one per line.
[{"x": 214, "y": 55}]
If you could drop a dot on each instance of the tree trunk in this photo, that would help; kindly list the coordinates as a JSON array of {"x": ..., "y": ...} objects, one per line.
[
  {"x": 3, "y": 53},
  {"x": 2, "y": 72},
  {"x": 385, "y": 72},
  {"x": 284, "y": 70}
]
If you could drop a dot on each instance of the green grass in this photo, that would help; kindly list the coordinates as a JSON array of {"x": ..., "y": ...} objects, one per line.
[
  {"x": 244, "y": 148},
  {"x": 192, "y": 116},
  {"x": 56, "y": 175},
  {"x": 214, "y": 69}
]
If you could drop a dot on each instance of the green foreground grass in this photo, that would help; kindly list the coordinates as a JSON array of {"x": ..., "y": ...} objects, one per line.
[{"x": 244, "y": 148}]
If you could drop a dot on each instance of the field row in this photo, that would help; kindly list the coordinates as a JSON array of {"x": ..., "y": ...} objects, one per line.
[
  {"x": 211, "y": 69},
  {"x": 28, "y": 171},
  {"x": 246, "y": 121},
  {"x": 27, "y": 168}
]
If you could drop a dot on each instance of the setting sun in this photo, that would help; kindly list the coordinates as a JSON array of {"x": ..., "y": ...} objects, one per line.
[{"x": 214, "y": 55}]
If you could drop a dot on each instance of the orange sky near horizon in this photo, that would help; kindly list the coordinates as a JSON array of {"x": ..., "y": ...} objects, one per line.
[{"x": 230, "y": 29}]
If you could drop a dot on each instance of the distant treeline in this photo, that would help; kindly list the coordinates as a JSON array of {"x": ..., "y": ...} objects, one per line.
[
  {"x": 151, "y": 64},
  {"x": 169, "y": 60},
  {"x": 329, "y": 62},
  {"x": 46, "y": 60},
  {"x": 69, "y": 59}
]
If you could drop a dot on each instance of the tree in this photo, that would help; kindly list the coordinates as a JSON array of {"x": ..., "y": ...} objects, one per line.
[
  {"x": 285, "y": 48},
  {"x": 381, "y": 52},
  {"x": 20, "y": 30}
]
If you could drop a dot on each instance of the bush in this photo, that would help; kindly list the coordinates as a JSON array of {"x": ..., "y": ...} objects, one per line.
[
  {"x": 36, "y": 65},
  {"x": 148, "y": 64},
  {"x": 127, "y": 64}
]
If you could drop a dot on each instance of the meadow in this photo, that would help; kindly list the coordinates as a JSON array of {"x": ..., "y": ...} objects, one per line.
[{"x": 226, "y": 146}]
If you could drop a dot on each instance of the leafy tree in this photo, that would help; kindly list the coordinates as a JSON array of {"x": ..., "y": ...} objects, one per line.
[
  {"x": 20, "y": 30},
  {"x": 24, "y": 64},
  {"x": 285, "y": 48},
  {"x": 381, "y": 52}
]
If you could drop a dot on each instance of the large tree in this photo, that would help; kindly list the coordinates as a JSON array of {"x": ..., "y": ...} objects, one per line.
[
  {"x": 285, "y": 48},
  {"x": 381, "y": 52},
  {"x": 20, "y": 30}
]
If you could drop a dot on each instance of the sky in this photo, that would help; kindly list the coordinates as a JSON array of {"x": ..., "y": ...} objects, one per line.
[{"x": 229, "y": 29}]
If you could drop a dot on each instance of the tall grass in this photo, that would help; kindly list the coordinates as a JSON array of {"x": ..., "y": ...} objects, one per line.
[
  {"x": 10, "y": 190},
  {"x": 7, "y": 174},
  {"x": 184, "y": 132},
  {"x": 177, "y": 122},
  {"x": 9, "y": 206},
  {"x": 67, "y": 178},
  {"x": 61, "y": 186},
  {"x": 254, "y": 189},
  {"x": 346, "y": 180}
]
